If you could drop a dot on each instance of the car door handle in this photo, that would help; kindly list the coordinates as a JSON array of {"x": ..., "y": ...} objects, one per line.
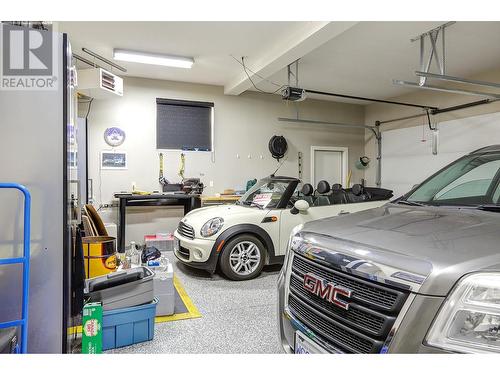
[{"x": 343, "y": 213}]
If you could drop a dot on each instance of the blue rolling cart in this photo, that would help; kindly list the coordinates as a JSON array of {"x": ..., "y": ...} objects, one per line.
[{"x": 25, "y": 261}]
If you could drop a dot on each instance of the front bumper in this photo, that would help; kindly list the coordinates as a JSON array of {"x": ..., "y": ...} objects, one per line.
[
  {"x": 197, "y": 253},
  {"x": 408, "y": 333}
]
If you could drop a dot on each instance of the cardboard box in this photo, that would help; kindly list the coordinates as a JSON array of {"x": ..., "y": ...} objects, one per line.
[{"x": 92, "y": 328}]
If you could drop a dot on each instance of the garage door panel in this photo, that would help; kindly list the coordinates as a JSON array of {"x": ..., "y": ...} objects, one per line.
[{"x": 407, "y": 160}]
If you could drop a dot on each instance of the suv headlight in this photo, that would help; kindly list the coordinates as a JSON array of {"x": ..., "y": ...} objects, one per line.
[
  {"x": 469, "y": 320},
  {"x": 211, "y": 227}
]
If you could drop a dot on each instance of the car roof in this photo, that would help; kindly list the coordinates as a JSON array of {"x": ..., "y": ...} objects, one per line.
[{"x": 487, "y": 149}]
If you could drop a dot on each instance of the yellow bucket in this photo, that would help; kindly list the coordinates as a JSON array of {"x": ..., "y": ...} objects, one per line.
[{"x": 99, "y": 255}]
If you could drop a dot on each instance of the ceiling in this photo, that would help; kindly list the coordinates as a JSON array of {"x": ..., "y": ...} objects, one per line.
[
  {"x": 355, "y": 58},
  {"x": 366, "y": 58},
  {"x": 209, "y": 43}
]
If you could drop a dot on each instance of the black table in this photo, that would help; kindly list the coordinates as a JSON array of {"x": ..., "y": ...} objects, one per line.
[{"x": 188, "y": 201}]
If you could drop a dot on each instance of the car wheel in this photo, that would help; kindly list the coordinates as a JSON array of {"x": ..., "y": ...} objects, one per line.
[{"x": 243, "y": 257}]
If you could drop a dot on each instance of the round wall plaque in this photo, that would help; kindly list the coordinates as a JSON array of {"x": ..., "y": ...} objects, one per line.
[{"x": 114, "y": 136}]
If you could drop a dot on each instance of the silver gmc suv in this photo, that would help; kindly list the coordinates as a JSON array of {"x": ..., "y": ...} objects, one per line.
[{"x": 418, "y": 275}]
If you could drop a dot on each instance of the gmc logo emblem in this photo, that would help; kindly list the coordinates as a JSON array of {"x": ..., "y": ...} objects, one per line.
[{"x": 328, "y": 292}]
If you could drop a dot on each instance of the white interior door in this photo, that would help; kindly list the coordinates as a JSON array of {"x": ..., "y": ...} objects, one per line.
[{"x": 328, "y": 164}]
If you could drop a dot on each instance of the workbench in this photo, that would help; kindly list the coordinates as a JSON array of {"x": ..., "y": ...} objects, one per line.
[{"x": 188, "y": 201}]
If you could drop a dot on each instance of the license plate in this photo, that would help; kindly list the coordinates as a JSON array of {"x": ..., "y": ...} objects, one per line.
[
  {"x": 304, "y": 345},
  {"x": 177, "y": 244}
]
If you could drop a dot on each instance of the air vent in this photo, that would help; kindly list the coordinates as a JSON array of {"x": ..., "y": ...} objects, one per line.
[{"x": 99, "y": 83}]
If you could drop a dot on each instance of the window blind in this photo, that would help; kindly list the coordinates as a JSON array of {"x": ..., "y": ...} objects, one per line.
[{"x": 183, "y": 125}]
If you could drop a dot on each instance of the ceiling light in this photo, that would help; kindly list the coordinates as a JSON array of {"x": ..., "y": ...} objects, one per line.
[{"x": 153, "y": 58}]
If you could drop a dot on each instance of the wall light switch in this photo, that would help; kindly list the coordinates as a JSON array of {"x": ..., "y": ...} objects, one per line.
[
  {"x": 211, "y": 183},
  {"x": 237, "y": 156}
]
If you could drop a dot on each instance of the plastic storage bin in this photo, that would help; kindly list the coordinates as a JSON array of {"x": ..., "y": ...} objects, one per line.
[
  {"x": 163, "y": 242},
  {"x": 122, "y": 289},
  {"x": 131, "y": 325}
]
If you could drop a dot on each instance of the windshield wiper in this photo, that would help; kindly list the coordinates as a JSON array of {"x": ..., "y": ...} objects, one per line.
[
  {"x": 410, "y": 203},
  {"x": 246, "y": 203},
  {"x": 489, "y": 207},
  {"x": 257, "y": 205}
]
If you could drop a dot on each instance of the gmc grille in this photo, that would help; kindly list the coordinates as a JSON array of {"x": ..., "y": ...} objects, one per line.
[
  {"x": 186, "y": 230},
  {"x": 364, "y": 327}
]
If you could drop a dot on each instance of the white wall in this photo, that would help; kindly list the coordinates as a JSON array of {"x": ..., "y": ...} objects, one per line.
[
  {"x": 407, "y": 160},
  {"x": 243, "y": 125}
]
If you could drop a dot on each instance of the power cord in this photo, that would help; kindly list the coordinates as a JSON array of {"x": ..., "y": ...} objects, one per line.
[
  {"x": 280, "y": 164},
  {"x": 246, "y": 70},
  {"x": 100, "y": 180},
  {"x": 88, "y": 109},
  {"x": 255, "y": 73}
]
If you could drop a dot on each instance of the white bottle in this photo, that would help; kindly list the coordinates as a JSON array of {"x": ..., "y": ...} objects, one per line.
[{"x": 135, "y": 254}]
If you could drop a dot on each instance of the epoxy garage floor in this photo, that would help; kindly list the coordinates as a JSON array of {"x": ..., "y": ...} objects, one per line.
[{"x": 237, "y": 317}]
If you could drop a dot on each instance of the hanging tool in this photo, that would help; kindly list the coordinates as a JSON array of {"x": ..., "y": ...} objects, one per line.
[
  {"x": 163, "y": 181},
  {"x": 182, "y": 166},
  {"x": 349, "y": 177}
]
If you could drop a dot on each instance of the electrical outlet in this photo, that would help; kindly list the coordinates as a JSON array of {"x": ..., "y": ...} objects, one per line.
[{"x": 211, "y": 184}]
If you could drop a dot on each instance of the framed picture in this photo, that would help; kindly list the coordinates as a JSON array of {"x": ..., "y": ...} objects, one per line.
[{"x": 113, "y": 160}]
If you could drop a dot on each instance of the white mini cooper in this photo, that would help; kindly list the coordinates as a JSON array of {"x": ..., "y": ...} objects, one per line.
[{"x": 242, "y": 238}]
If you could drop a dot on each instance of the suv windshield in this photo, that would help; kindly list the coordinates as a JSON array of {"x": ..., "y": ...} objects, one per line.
[
  {"x": 470, "y": 181},
  {"x": 266, "y": 193}
]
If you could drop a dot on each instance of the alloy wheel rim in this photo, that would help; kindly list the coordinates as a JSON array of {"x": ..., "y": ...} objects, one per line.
[{"x": 244, "y": 258}]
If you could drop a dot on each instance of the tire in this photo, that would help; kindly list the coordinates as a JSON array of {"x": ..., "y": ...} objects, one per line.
[{"x": 243, "y": 257}]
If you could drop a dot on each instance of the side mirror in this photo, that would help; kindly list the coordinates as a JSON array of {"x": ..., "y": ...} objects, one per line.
[{"x": 300, "y": 206}]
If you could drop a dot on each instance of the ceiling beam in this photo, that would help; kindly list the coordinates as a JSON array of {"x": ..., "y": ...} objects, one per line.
[{"x": 296, "y": 45}]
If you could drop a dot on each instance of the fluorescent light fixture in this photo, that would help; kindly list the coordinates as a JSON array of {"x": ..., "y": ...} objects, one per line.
[{"x": 153, "y": 58}]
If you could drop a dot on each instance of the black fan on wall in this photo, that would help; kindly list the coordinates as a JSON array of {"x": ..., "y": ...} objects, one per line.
[{"x": 278, "y": 146}]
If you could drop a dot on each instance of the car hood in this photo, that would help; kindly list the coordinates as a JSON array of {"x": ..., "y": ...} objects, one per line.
[
  {"x": 220, "y": 211},
  {"x": 232, "y": 214},
  {"x": 432, "y": 246}
]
